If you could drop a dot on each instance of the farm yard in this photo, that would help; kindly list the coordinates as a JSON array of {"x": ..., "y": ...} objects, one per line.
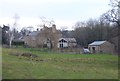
[{"x": 53, "y": 65}]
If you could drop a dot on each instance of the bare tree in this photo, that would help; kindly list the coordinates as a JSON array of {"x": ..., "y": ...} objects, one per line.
[
  {"x": 46, "y": 22},
  {"x": 11, "y": 37},
  {"x": 11, "y": 32},
  {"x": 113, "y": 15}
]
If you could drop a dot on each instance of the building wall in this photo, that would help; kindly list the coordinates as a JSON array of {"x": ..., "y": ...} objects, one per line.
[
  {"x": 97, "y": 49},
  {"x": 29, "y": 41},
  {"x": 40, "y": 40},
  {"x": 72, "y": 44},
  {"x": 107, "y": 47},
  {"x": 65, "y": 44}
]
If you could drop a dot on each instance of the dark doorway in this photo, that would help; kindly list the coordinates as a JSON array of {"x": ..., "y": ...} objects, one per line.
[{"x": 93, "y": 49}]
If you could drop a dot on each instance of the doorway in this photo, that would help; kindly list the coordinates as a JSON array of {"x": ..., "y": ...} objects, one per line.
[{"x": 93, "y": 50}]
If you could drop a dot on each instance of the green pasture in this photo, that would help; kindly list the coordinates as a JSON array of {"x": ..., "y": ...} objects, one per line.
[{"x": 56, "y": 65}]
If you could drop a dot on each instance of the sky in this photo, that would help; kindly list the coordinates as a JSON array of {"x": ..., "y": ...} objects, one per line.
[{"x": 64, "y": 13}]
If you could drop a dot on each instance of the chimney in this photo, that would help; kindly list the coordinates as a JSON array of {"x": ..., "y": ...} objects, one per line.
[
  {"x": 37, "y": 29},
  {"x": 44, "y": 27},
  {"x": 53, "y": 28}
]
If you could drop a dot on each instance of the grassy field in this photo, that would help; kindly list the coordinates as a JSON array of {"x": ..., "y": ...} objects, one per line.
[{"x": 58, "y": 66}]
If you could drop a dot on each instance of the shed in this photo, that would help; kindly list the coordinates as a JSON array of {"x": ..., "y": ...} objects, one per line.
[{"x": 101, "y": 47}]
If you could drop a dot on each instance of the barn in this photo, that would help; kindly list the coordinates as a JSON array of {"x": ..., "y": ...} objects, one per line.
[{"x": 101, "y": 47}]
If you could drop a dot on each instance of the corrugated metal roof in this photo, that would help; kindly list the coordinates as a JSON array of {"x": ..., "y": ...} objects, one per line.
[{"x": 97, "y": 42}]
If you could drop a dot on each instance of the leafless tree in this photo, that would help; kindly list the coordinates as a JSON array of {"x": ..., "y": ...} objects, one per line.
[
  {"x": 113, "y": 15},
  {"x": 11, "y": 32},
  {"x": 11, "y": 37}
]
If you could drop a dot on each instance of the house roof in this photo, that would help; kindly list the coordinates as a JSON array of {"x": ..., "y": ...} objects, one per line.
[
  {"x": 97, "y": 42},
  {"x": 34, "y": 33},
  {"x": 68, "y": 39},
  {"x": 20, "y": 39}
]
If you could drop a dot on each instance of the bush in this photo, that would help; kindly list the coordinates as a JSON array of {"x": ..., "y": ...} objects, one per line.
[{"x": 20, "y": 43}]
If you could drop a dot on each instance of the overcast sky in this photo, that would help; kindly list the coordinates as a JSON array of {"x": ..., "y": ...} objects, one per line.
[{"x": 63, "y": 12}]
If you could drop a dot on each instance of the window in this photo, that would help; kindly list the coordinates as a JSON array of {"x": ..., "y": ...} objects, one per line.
[{"x": 61, "y": 45}]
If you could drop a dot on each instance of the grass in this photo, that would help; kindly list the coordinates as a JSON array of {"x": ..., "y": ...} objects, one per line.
[{"x": 58, "y": 66}]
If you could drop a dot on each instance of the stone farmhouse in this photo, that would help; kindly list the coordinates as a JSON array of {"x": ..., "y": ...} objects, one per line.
[{"x": 47, "y": 37}]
